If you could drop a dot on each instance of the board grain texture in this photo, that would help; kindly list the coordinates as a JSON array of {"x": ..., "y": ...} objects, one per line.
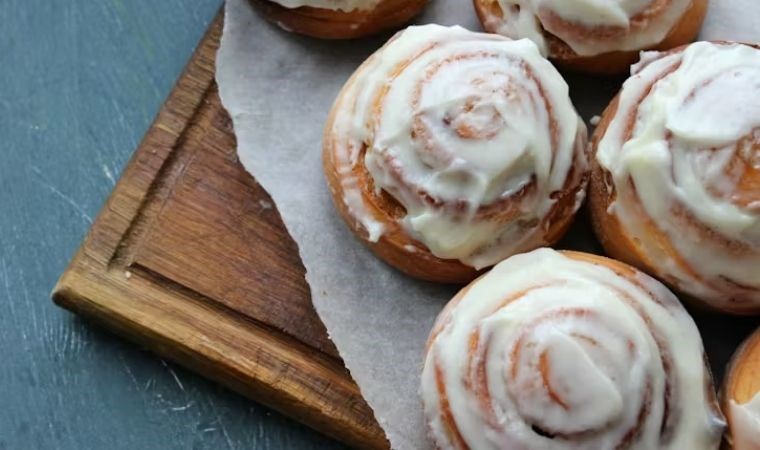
[{"x": 189, "y": 257}]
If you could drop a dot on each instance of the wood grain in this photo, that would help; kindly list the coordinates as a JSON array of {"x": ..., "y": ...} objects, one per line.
[
  {"x": 85, "y": 83},
  {"x": 189, "y": 257}
]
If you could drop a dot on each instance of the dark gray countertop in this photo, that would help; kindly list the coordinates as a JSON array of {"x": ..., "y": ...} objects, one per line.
[{"x": 80, "y": 83}]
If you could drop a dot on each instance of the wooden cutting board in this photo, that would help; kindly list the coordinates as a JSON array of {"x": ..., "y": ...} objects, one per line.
[{"x": 189, "y": 257}]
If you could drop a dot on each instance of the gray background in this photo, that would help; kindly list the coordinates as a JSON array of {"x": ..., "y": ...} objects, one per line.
[{"x": 80, "y": 82}]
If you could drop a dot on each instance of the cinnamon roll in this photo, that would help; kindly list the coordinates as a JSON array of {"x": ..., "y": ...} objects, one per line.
[
  {"x": 595, "y": 36},
  {"x": 567, "y": 350},
  {"x": 740, "y": 396},
  {"x": 339, "y": 19},
  {"x": 675, "y": 187},
  {"x": 449, "y": 150}
]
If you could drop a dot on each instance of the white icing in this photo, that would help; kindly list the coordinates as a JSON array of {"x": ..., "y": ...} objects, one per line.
[
  {"x": 527, "y": 19},
  {"x": 454, "y": 82},
  {"x": 338, "y": 5},
  {"x": 745, "y": 424},
  {"x": 685, "y": 134},
  {"x": 597, "y": 332}
]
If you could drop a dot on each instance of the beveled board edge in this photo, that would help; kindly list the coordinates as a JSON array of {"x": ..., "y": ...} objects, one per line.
[{"x": 248, "y": 357}]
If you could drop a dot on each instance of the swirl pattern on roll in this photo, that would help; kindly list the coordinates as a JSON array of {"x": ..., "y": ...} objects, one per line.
[
  {"x": 587, "y": 27},
  {"x": 563, "y": 351},
  {"x": 473, "y": 135},
  {"x": 681, "y": 162}
]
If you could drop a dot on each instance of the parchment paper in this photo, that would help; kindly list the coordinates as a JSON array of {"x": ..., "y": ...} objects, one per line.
[{"x": 278, "y": 88}]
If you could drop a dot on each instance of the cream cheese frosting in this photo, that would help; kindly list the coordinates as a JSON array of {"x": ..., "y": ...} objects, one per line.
[
  {"x": 548, "y": 351},
  {"x": 697, "y": 118},
  {"x": 339, "y": 5},
  {"x": 531, "y": 18},
  {"x": 745, "y": 424},
  {"x": 451, "y": 123}
]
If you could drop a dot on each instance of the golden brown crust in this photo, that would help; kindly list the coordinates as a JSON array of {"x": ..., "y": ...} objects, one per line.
[
  {"x": 613, "y": 236},
  {"x": 334, "y": 24},
  {"x": 608, "y": 229},
  {"x": 476, "y": 380},
  {"x": 742, "y": 379},
  {"x": 394, "y": 244},
  {"x": 684, "y": 31},
  {"x": 615, "y": 240}
]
